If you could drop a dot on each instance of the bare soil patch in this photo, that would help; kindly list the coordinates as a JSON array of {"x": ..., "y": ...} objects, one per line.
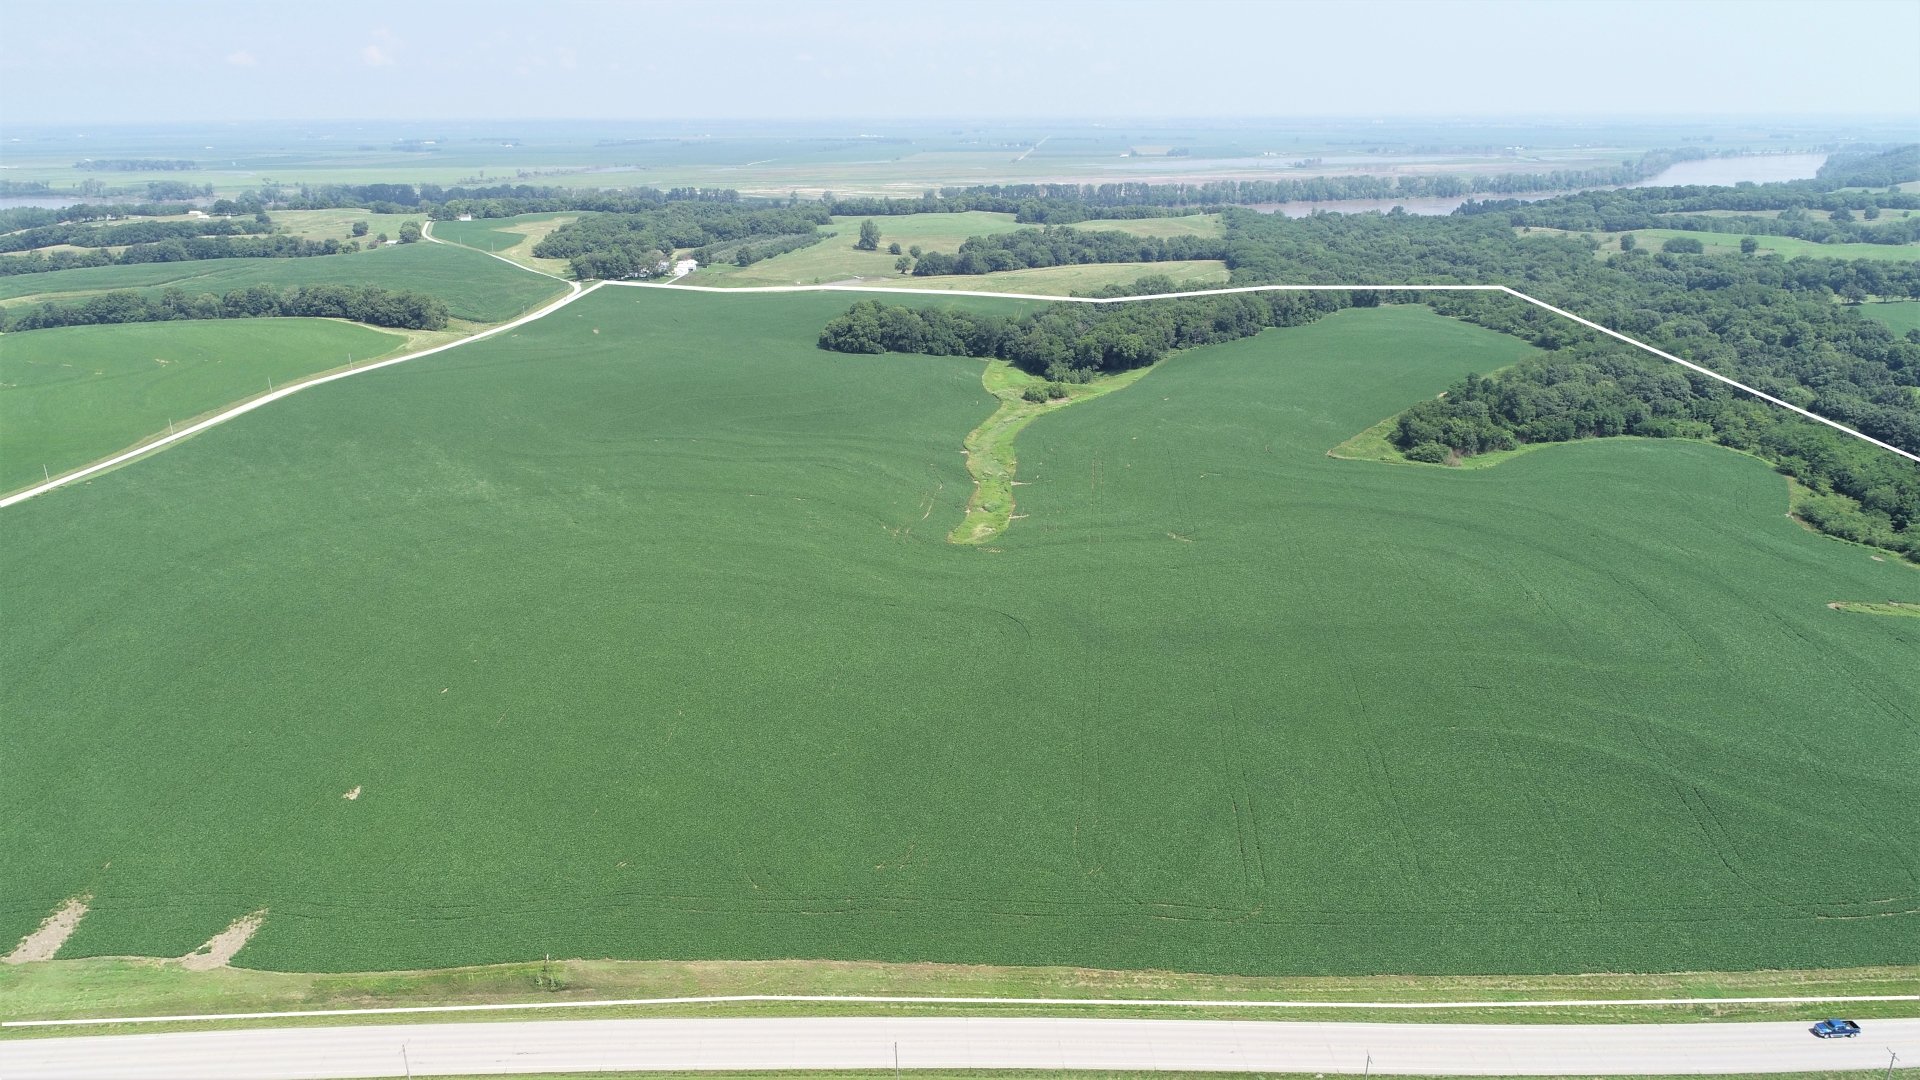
[
  {"x": 223, "y": 946},
  {"x": 45, "y": 941}
]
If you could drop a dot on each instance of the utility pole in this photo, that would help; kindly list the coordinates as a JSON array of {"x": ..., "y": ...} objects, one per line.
[
  {"x": 896, "y": 1061},
  {"x": 1368, "y": 1071},
  {"x": 1891, "y": 1058},
  {"x": 404, "y": 1063}
]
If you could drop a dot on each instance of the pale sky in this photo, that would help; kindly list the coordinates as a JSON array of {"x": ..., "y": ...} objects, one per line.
[{"x": 794, "y": 59}]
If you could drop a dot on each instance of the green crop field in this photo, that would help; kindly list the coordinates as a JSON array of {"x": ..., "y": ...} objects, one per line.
[
  {"x": 338, "y": 224},
  {"x": 74, "y": 394},
  {"x": 835, "y": 259},
  {"x": 496, "y": 234},
  {"x": 1901, "y": 317},
  {"x": 475, "y": 287},
  {"x": 1067, "y": 280},
  {"x": 635, "y": 633}
]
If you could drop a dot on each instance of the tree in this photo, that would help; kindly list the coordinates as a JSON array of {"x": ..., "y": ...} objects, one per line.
[
  {"x": 1871, "y": 213},
  {"x": 893, "y": 248},
  {"x": 1842, "y": 215},
  {"x": 359, "y": 228},
  {"x": 409, "y": 232},
  {"x": 381, "y": 239},
  {"x": 1627, "y": 242},
  {"x": 1748, "y": 245},
  {"x": 869, "y": 236},
  {"x": 914, "y": 251},
  {"x": 904, "y": 264}
]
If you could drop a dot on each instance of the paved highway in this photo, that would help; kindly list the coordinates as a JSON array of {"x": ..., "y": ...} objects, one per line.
[{"x": 321, "y": 1053}]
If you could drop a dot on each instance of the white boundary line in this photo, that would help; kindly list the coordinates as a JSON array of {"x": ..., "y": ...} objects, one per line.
[
  {"x": 897, "y": 999},
  {"x": 577, "y": 291},
  {"x": 1517, "y": 294}
]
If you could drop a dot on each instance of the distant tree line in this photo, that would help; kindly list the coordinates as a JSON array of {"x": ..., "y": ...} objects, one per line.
[
  {"x": 1869, "y": 167},
  {"x": 1060, "y": 246},
  {"x": 361, "y": 303},
  {"x": 1061, "y": 204},
  {"x": 1071, "y": 343},
  {"x": 1065, "y": 209},
  {"x": 135, "y": 165},
  {"x": 633, "y": 245},
  {"x": 206, "y": 247},
  {"x": 90, "y": 188},
  {"x": 1826, "y": 217},
  {"x": 132, "y": 232},
  {"x": 33, "y": 217},
  {"x": 501, "y": 200}
]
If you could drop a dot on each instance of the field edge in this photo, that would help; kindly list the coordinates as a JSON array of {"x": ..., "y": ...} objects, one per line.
[{"x": 137, "y": 986}]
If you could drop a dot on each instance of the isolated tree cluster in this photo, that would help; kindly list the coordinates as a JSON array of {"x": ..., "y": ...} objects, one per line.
[{"x": 361, "y": 303}]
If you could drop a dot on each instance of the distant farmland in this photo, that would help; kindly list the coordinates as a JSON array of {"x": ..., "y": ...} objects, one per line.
[
  {"x": 75, "y": 394},
  {"x": 636, "y": 634},
  {"x": 475, "y": 287}
]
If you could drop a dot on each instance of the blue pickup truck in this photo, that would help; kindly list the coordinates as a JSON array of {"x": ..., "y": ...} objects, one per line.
[{"x": 1835, "y": 1029}]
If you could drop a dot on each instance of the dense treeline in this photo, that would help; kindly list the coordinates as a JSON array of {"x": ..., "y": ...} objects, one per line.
[
  {"x": 746, "y": 252},
  {"x": 1822, "y": 217},
  {"x": 500, "y": 200},
  {"x": 1870, "y": 168},
  {"x": 33, "y": 217},
  {"x": 135, "y": 165},
  {"x": 361, "y": 303},
  {"x": 1073, "y": 342},
  {"x": 1059, "y": 246},
  {"x": 204, "y": 247},
  {"x": 637, "y": 245},
  {"x": 1065, "y": 204},
  {"x": 132, "y": 232},
  {"x": 1861, "y": 493},
  {"x": 1769, "y": 322},
  {"x": 1066, "y": 208},
  {"x": 153, "y": 190}
]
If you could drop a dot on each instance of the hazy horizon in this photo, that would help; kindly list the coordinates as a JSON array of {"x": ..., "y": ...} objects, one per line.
[{"x": 1136, "y": 61}]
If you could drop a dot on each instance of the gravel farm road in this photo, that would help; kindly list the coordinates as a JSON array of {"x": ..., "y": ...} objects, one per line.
[{"x": 843, "y": 1043}]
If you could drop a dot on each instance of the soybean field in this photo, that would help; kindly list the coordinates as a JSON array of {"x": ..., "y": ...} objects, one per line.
[{"x": 635, "y": 633}]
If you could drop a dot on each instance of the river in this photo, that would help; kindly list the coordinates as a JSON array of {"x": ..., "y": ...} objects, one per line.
[{"x": 1722, "y": 171}]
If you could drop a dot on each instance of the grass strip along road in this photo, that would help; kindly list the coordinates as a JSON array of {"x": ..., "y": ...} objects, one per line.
[{"x": 876, "y": 1043}]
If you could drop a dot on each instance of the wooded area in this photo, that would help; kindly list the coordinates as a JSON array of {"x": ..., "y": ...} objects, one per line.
[{"x": 361, "y": 303}]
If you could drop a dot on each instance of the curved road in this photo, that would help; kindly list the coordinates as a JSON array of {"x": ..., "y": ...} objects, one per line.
[{"x": 958, "y": 1043}]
